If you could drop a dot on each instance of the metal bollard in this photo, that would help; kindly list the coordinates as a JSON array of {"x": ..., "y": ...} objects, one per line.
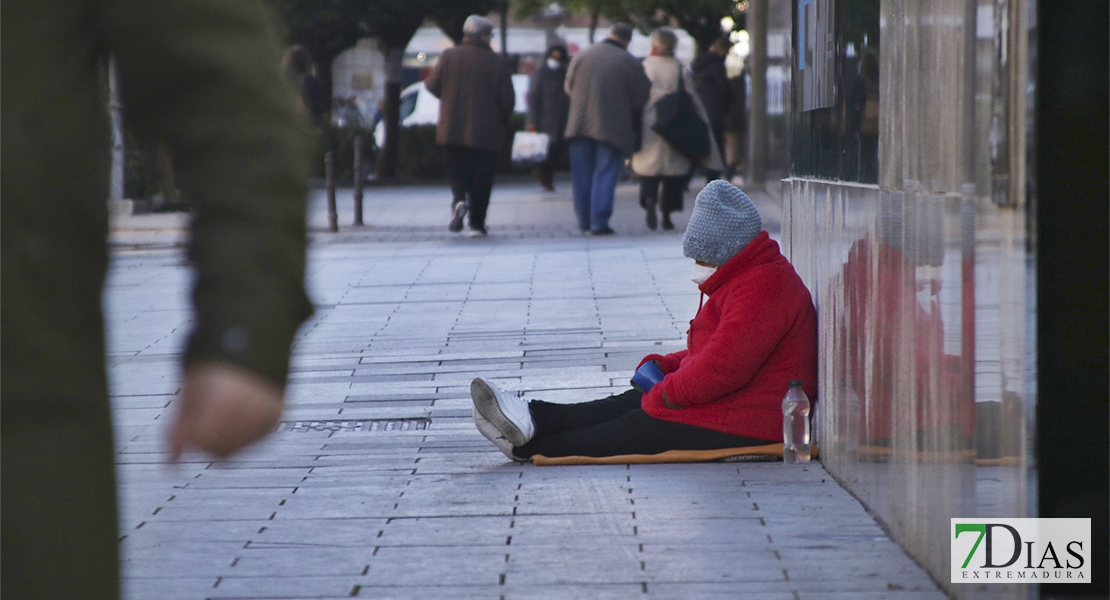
[
  {"x": 329, "y": 185},
  {"x": 358, "y": 180}
]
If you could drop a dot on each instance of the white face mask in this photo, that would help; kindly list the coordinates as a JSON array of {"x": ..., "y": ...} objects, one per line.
[
  {"x": 701, "y": 273},
  {"x": 552, "y": 63}
]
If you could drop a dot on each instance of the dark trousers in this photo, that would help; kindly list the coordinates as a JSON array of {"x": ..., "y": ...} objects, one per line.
[
  {"x": 613, "y": 426},
  {"x": 555, "y": 153},
  {"x": 673, "y": 188},
  {"x": 470, "y": 171}
]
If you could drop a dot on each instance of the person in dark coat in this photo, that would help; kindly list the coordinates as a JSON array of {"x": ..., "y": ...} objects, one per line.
[
  {"x": 711, "y": 82},
  {"x": 548, "y": 105},
  {"x": 301, "y": 71},
  {"x": 475, "y": 87},
  {"x": 205, "y": 79}
]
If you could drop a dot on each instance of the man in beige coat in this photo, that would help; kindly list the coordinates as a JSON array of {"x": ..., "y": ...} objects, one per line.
[
  {"x": 657, "y": 162},
  {"x": 475, "y": 88},
  {"x": 607, "y": 89}
]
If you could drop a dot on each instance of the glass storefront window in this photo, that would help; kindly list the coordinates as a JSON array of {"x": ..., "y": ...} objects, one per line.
[{"x": 836, "y": 90}]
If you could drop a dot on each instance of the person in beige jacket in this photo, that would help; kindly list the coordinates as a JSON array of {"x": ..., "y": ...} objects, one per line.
[{"x": 657, "y": 162}]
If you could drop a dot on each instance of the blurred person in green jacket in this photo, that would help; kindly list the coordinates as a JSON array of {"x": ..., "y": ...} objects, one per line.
[{"x": 203, "y": 77}]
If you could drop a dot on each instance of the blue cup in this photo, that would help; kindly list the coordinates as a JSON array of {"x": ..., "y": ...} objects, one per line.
[{"x": 647, "y": 376}]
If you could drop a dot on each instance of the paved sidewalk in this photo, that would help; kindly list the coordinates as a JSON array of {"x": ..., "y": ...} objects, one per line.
[{"x": 377, "y": 485}]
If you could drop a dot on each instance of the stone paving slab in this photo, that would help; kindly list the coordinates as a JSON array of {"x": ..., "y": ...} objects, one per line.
[{"x": 377, "y": 485}]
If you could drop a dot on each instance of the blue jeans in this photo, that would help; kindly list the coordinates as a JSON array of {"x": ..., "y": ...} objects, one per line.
[{"x": 595, "y": 168}]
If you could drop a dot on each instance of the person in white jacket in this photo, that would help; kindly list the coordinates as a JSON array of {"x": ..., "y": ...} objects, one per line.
[{"x": 657, "y": 162}]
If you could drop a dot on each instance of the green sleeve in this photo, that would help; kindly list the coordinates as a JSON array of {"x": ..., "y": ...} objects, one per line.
[{"x": 204, "y": 77}]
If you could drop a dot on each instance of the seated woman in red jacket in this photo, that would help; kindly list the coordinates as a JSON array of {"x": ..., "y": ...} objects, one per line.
[{"x": 756, "y": 331}]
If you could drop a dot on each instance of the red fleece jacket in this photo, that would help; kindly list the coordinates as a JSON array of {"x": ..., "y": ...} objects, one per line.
[{"x": 756, "y": 332}]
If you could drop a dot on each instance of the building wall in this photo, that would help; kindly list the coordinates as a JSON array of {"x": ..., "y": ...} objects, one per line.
[{"x": 923, "y": 280}]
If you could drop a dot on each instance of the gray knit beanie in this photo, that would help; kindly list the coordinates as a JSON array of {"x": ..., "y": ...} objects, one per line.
[{"x": 723, "y": 221}]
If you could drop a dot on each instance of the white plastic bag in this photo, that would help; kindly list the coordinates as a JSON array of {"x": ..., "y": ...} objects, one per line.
[{"x": 529, "y": 148}]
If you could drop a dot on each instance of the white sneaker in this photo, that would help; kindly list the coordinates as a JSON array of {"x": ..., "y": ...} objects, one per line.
[
  {"x": 458, "y": 213},
  {"x": 490, "y": 432},
  {"x": 507, "y": 413}
]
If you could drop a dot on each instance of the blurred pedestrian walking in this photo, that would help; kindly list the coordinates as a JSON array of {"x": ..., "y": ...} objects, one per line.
[
  {"x": 608, "y": 89},
  {"x": 475, "y": 88},
  {"x": 657, "y": 162},
  {"x": 301, "y": 71},
  {"x": 736, "y": 125},
  {"x": 548, "y": 105},
  {"x": 206, "y": 80},
  {"x": 714, "y": 91}
]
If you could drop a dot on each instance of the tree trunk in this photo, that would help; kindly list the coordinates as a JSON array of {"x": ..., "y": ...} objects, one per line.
[
  {"x": 504, "y": 10},
  {"x": 391, "y": 113},
  {"x": 595, "y": 14}
]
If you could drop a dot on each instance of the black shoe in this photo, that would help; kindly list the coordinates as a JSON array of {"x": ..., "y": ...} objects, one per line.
[
  {"x": 667, "y": 224},
  {"x": 584, "y": 228},
  {"x": 545, "y": 179},
  {"x": 458, "y": 213},
  {"x": 602, "y": 231}
]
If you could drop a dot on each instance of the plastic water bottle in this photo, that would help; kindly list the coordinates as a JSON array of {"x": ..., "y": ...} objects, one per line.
[{"x": 795, "y": 424}]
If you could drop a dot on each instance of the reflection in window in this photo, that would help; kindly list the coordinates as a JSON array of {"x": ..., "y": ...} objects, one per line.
[{"x": 836, "y": 90}]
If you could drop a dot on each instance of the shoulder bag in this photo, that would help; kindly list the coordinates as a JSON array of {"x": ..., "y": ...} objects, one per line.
[{"x": 677, "y": 121}]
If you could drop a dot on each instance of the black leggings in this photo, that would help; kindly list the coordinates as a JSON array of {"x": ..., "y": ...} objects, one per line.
[
  {"x": 613, "y": 426},
  {"x": 673, "y": 188}
]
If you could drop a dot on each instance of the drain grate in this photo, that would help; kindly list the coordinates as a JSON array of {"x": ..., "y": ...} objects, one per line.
[{"x": 367, "y": 425}]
